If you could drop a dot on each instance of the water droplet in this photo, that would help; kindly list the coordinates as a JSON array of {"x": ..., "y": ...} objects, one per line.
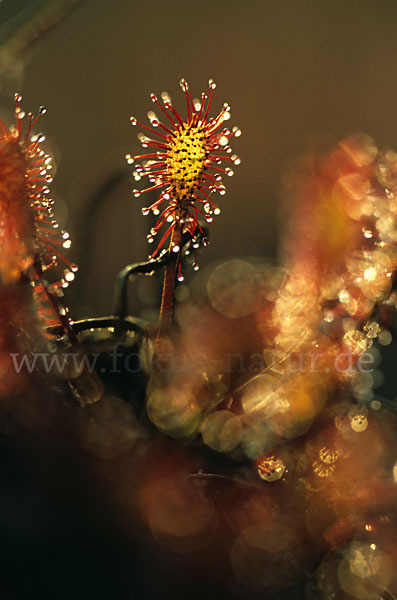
[
  {"x": 222, "y": 431},
  {"x": 236, "y": 131},
  {"x": 195, "y": 267},
  {"x": 217, "y": 211},
  {"x": 359, "y": 423},
  {"x": 370, "y": 274},
  {"x": 67, "y": 244},
  {"x": 385, "y": 337},
  {"x": 133, "y": 121},
  {"x": 166, "y": 98},
  {"x": 42, "y": 110},
  {"x": 17, "y": 97},
  {"x": 150, "y": 239},
  {"x": 129, "y": 159},
  {"x": 229, "y": 172},
  {"x": 271, "y": 469},
  {"x": 356, "y": 341},
  {"x": 145, "y": 210},
  {"x": 153, "y": 97},
  {"x": 170, "y": 218},
  {"x": 184, "y": 85},
  {"x": 175, "y": 248},
  {"x": 236, "y": 159},
  {"x": 136, "y": 193},
  {"x": 205, "y": 241},
  {"x": 211, "y": 84},
  {"x": 371, "y": 329},
  {"x": 181, "y": 278},
  {"x": 69, "y": 276}
]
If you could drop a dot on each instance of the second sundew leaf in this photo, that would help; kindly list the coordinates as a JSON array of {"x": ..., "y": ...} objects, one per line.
[{"x": 31, "y": 242}]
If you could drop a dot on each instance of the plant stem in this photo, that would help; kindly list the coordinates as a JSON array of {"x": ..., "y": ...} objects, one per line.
[
  {"x": 167, "y": 298},
  {"x": 52, "y": 299}
]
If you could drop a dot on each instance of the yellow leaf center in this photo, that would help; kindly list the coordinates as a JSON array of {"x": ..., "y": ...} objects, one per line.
[{"x": 186, "y": 159}]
